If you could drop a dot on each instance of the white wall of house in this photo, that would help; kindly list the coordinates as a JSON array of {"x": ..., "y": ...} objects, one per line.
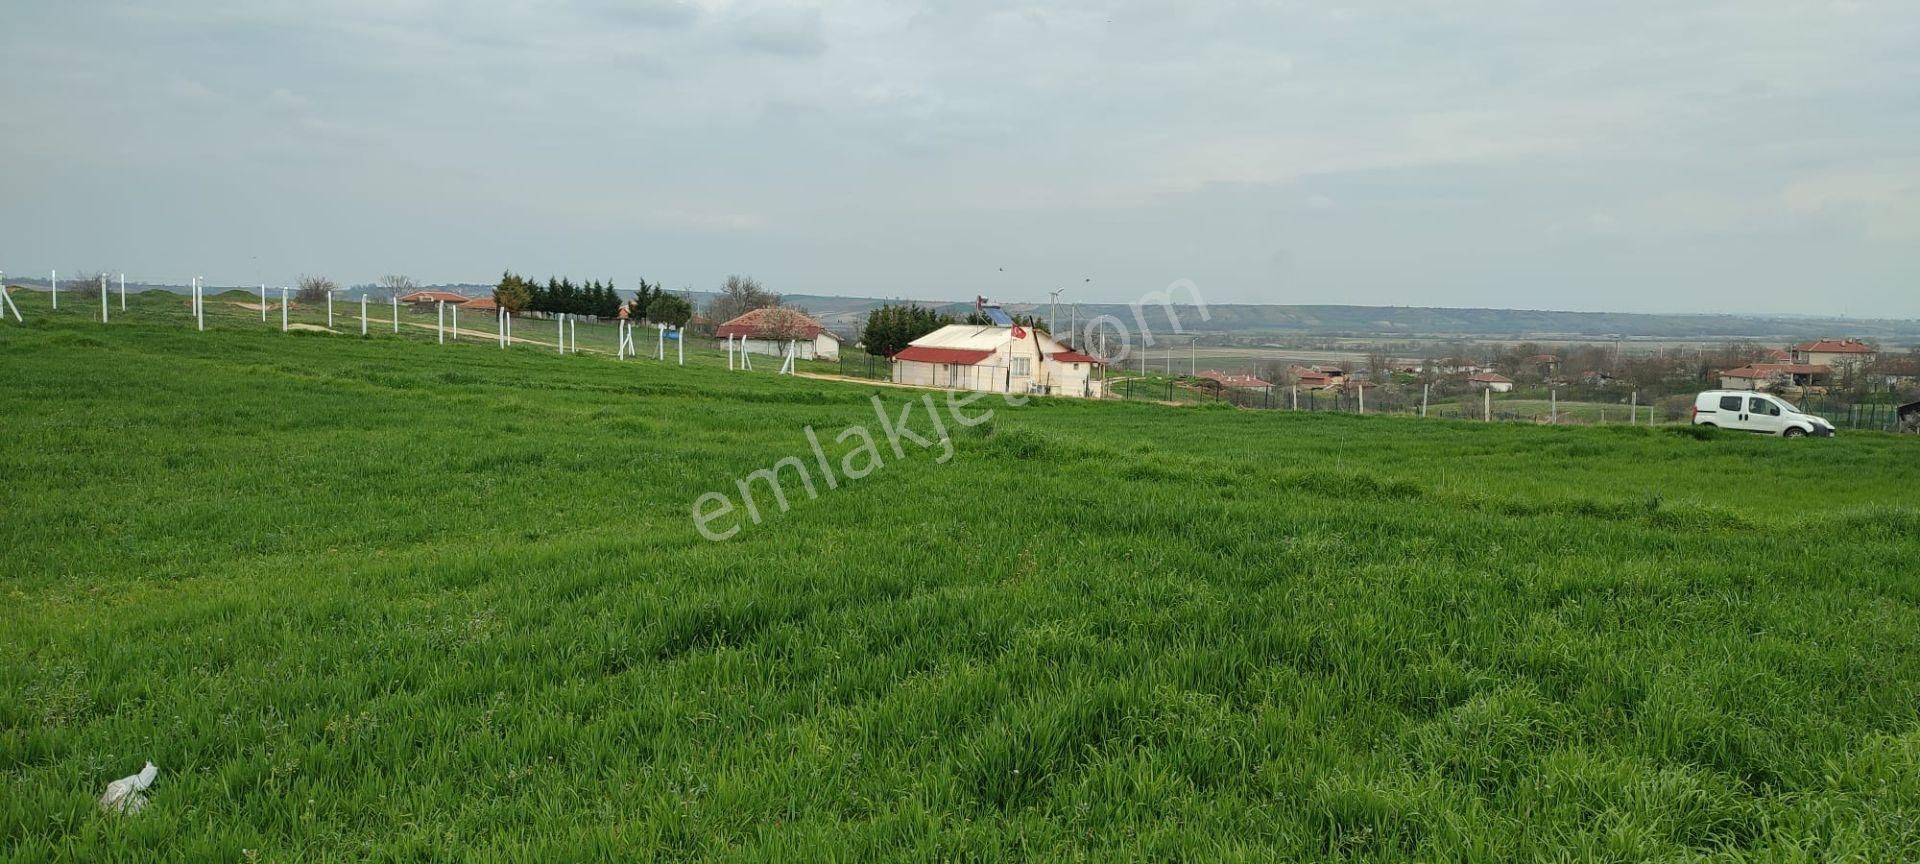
[{"x": 821, "y": 347}]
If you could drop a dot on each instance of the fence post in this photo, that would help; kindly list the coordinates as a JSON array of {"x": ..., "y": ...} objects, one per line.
[
  {"x": 1487, "y": 411},
  {"x": 396, "y": 313}
]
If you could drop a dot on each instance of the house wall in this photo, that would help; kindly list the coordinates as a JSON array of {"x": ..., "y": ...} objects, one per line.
[
  {"x": 1738, "y": 384},
  {"x": 1835, "y": 360}
]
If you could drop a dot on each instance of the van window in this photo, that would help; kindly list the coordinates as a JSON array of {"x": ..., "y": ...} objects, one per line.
[
  {"x": 1730, "y": 403},
  {"x": 1764, "y": 407}
]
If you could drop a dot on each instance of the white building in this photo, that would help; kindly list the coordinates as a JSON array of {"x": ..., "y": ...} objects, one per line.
[
  {"x": 1494, "y": 381},
  {"x": 997, "y": 360},
  {"x": 769, "y": 330}
]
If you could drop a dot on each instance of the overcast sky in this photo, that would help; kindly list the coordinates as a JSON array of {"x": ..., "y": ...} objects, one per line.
[{"x": 1637, "y": 155}]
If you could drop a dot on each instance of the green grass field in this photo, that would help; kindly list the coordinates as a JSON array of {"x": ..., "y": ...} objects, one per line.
[{"x": 386, "y": 599}]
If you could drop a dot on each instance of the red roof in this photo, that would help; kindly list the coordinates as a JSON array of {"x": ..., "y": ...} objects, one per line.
[
  {"x": 1491, "y": 378},
  {"x": 772, "y": 322},
  {"x": 434, "y": 297},
  {"x": 956, "y": 356},
  {"x": 1234, "y": 380},
  {"x": 481, "y": 303},
  {"x": 1836, "y": 346},
  {"x": 1071, "y": 357}
]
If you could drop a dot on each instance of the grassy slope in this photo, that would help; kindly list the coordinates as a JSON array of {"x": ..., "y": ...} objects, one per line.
[{"x": 390, "y": 598}]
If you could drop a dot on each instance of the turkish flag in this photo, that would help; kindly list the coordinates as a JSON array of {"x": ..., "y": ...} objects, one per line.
[{"x": 1019, "y": 333}]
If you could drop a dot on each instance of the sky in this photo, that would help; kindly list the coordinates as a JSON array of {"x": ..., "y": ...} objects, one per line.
[{"x": 1639, "y": 155}]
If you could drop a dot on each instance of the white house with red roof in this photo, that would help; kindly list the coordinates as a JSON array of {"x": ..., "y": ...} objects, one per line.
[
  {"x": 1772, "y": 376},
  {"x": 997, "y": 359},
  {"x": 1229, "y": 379},
  {"x": 1833, "y": 352},
  {"x": 769, "y": 330},
  {"x": 1494, "y": 381},
  {"x": 428, "y": 299}
]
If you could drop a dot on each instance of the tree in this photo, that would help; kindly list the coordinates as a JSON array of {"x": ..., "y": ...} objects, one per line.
[
  {"x": 890, "y": 328},
  {"x": 673, "y": 310},
  {"x": 738, "y": 296},
  {"x": 513, "y": 293},
  {"x": 83, "y": 284},
  {"x": 642, "y": 297},
  {"x": 314, "y": 289},
  {"x": 397, "y": 285}
]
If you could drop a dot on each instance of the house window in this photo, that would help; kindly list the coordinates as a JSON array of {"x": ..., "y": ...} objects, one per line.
[{"x": 1022, "y": 366}]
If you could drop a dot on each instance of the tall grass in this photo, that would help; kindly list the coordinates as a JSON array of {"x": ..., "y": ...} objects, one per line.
[{"x": 382, "y": 598}]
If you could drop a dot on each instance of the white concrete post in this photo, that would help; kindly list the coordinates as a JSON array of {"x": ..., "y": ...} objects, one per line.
[
  {"x": 200, "y": 302},
  {"x": 1633, "y": 410},
  {"x": 103, "y": 298},
  {"x": 729, "y": 352},
  {"x": 680, "y": 337},
  {"x": 560, "y": 319},
  {"x": 1553, "y": 407},
  {"x": 660, "y": 340},
  {"x": 1363, "y": 398},
  {"x": 1424, "y": 388},
  {"x": 454, "y": 311},
  {"x": 283, "y": 308},
  {"x": 329, "y": 309},
  {"x": 363, "y": 314},
  {"x": 1487, "y": 413},
  {"x": 123, "y": 292},
  {"x": 396, "y": 313},
  {"x": 263, "y": 303},
  {"x": 440, "y": 321},
  {"x": 53, "y": 282},
  {"x": 6, "y": 301}
]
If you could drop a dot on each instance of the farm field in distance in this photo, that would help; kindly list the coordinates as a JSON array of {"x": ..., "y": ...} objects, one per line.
[{"x": 382, "y": 598}]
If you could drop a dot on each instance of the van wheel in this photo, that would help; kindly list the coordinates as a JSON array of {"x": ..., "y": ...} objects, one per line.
[{"x": 1795, "y": 432}]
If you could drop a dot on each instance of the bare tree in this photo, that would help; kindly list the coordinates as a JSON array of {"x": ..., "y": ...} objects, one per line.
[
  {"x": 783, "y": 323},
  {"x": 314, "y": 289},
  {"x": 740, "y": 295},
  {"x": 397, "y": 285}
]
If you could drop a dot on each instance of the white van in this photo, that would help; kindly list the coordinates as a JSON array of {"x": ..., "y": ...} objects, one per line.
[{"x": 1746, "y": 411}]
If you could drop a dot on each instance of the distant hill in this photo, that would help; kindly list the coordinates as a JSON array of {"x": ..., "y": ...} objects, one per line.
[{"x": 1429, "y": 322}]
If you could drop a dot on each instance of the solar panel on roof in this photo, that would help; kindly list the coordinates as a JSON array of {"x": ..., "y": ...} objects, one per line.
[{"x": 998, "y": 316}]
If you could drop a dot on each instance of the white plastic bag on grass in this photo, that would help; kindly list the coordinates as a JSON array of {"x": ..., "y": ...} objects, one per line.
[{"x": 123, "y": 795}]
